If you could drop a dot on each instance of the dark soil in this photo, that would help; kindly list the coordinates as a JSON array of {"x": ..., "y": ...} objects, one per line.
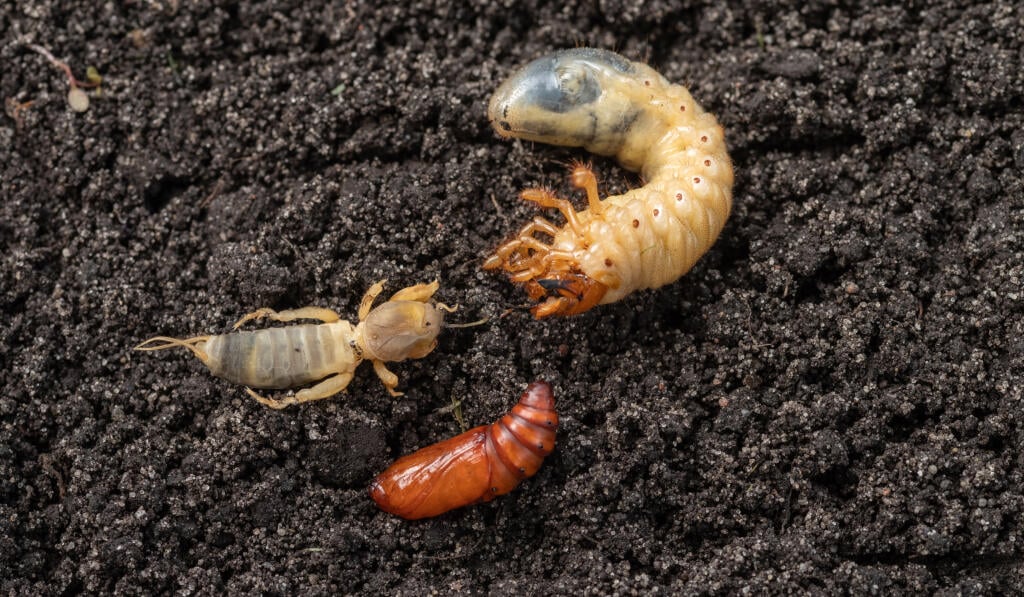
[{"x": 830, "y": 401}]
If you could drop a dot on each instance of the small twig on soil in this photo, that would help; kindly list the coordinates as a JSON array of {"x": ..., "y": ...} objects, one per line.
[
  {"x": 15, "y": 110},
  {"x": 64, "y": 67},
  {"x": 217, "y": 188},
  {"x": 455, "y": 408},
  {"x": 516, "y": 309},
  {"x": 77, "y": 98},
  {"x": 456, "y": 556},
  {"x": 497, "y": 206},
  {"x": 46, "y": 463}
]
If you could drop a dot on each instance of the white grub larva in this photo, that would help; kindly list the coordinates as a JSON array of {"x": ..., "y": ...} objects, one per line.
[
  {"x": 404, "y": 327},
  {"x": 645, "y": 238}
]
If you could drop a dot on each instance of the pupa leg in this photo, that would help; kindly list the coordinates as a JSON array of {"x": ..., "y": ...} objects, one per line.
[
  {"x": 324, "y": 389},
  {"x": 318, "y": 313}
]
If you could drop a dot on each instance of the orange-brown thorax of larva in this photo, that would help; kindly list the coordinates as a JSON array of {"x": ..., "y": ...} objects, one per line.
[{"x": 644, "y": 238}]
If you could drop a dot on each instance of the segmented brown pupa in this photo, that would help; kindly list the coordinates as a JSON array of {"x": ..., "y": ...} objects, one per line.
[{"x": 476, "y": 466}]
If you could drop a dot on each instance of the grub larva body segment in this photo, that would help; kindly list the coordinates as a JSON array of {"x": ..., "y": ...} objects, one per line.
[{"x": 645, "y": 238}]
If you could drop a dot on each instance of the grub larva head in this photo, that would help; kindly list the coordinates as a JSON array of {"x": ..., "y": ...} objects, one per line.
[
  {"x": 399, "y": 330},
  {"x": 579, "y": 98}
]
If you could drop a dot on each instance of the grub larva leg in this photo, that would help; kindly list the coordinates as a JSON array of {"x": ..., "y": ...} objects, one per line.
[
  {"x": 371, "y": 295},
  {"x": 318, "y": 313},
  {"x": 582, "y": 177},
  {"x": 389, "y": 379},
  {"x": 528, "y": 274},
  {"x": 539, "y": 224},
  {"x": 537, "y": 263},
  {"x": 530, "y": 242},
  {"x": 545, "y": 198},
  {"x": 503, "y": 254},
  {"x": 515, "y": 258},
  {"x": 555, "y": 255}
]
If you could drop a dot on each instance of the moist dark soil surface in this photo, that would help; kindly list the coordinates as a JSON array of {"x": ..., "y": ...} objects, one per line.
[{"x": 829, "y": 401}]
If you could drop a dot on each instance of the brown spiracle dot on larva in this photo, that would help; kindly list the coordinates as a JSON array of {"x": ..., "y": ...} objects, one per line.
[{"x": 612, "y": 106}]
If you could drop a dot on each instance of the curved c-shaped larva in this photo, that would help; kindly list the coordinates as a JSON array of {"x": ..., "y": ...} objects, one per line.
[
  {"x": 645, "y": 238},
  {"x": 476, "y": 466}
]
